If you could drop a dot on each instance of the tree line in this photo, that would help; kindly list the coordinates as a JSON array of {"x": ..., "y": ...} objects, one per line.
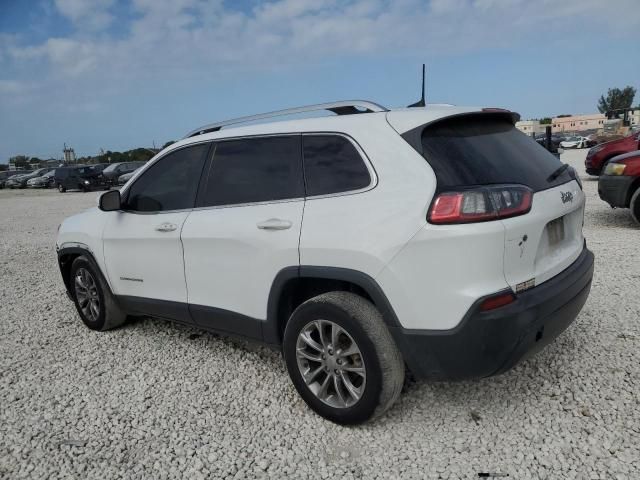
[{"x": 139, "y": 154}]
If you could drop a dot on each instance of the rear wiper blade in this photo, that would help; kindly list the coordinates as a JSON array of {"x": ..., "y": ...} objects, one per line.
[{"x": 559, "y": 171}]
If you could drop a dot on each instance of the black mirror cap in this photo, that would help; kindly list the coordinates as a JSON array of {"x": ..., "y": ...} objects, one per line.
[{"x": 110, "y": 201}]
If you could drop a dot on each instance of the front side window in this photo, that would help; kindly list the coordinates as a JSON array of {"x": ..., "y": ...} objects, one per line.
[
  {"x": 252, "y": 170},
  {"x": 169, "y": 184},
  {"x": 333, "y": 165}
]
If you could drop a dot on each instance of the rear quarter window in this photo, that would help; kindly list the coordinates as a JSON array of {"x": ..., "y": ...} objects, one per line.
[
  {"x": 332, "y": 165},
  {"x": 483, "y": 149}
]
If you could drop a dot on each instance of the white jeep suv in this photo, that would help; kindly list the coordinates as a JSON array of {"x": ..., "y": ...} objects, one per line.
[{"x": 439, "y": 241}]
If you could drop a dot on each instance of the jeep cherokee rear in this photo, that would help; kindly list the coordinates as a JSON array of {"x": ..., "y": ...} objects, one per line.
[{"x": 439, "y": 238}]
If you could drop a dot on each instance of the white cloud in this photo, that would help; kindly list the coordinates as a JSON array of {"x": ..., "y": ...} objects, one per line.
[
  {"x": 188, "y": 37},
  {"x": 87, "y": 14}
]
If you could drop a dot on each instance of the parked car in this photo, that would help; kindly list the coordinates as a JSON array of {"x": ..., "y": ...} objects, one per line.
[
  {"x": 555, "y": 142},
  {"x": 115, "y": 170},
  {"x": 81, "y": 178},
  {"x": 440, "y": 238},
  {"x": 598, "y": 156},
  {"x": 7, "y": 174},
  {"x": 574, "y": 142},
  {"x": 592, "y": 139},
  {"x": 20, "y": 181},
  {"x": 15, "y": 181},
  {"x": 122, "y": 179},
  {"x": 619, "y": 184},
  {"x": 44, "y": 181}
]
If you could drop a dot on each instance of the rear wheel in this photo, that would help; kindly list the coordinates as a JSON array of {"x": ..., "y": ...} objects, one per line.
[
  {"x": 634, "y": 206},
  {"x": 61, "y": 189},
  {"x": 342, "y": 359},
  {"x": 92, "y": 297}
]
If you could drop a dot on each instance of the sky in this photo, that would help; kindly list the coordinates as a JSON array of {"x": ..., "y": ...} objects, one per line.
[{"x": 118, "y": 74}]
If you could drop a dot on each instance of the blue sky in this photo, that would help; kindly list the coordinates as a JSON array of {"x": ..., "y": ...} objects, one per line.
[{"x": 117, "y": 74}]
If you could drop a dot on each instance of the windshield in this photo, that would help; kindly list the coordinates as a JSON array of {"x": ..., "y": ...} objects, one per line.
[{"x": 477, "y": 150}]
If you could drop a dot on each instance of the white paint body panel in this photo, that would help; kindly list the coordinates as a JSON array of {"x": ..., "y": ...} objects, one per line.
[
  {"x": 438, "y": 275},
  {"x": 230, "y": 263},
  {"x": 535, "y": 258},
  {"x": 135, "y": 250}
]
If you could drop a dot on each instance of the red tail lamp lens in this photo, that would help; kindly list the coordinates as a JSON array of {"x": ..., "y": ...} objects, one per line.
[
  {"x": 481, "y": 204},
  {"x": 497, "y": 301}
]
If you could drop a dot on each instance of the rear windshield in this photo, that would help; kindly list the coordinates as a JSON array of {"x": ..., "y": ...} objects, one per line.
[{"x": 482, "y": 150}]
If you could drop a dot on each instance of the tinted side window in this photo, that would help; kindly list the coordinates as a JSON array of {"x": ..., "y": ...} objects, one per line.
[
  {"x": 255, "y": 170},
  {"x": 332, "y": 164},
  {"x": 171, "y": 183}
]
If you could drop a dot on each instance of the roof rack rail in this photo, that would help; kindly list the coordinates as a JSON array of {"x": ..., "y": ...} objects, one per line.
[{"x": 346, "y": 107}]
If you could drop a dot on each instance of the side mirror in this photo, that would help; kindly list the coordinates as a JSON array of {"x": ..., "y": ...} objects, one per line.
[{"x": 110, "y": 201}]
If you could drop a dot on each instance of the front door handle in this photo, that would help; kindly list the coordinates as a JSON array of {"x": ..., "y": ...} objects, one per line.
[
  {"x": 166, "y": 227},
  {"x": 274, "y": 224}
]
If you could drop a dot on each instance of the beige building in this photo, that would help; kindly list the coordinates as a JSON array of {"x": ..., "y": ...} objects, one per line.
[
  {"x": 530, "y": 127},
  {"x": 578, "y": 123}
]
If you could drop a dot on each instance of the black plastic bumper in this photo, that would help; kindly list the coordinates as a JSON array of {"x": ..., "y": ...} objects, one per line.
[
  {"x": 615, "y": 189},
  {"x": 489, "y": 343}
]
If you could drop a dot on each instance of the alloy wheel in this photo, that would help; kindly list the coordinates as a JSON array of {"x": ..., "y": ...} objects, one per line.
[
  {"x": 331, "y": 363},
  {"x": 87, "y": 294}
]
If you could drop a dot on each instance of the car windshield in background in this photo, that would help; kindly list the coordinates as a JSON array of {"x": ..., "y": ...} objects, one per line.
[
  {"x": 480, "y": 150},
  {"x": 111, "y": 168}
]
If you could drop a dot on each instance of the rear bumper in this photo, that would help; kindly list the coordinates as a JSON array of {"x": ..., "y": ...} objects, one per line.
[
  {"x": 614, "y": 189},
  {"x": 489, "y": 343}
]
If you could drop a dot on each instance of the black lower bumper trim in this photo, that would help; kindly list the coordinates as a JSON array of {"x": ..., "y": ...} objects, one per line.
[
  {"x": 489, "y": 343},
  {"x": 615, "y": 189}
]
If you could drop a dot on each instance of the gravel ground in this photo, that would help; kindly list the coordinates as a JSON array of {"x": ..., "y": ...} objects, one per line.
[{"x": 158, "y": 400}]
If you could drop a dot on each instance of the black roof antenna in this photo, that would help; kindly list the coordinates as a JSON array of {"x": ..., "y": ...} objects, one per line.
[{"x": 421, "y": 102}]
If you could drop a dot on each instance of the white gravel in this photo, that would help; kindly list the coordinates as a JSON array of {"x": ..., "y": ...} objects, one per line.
[{"x": 157, "y": 400}]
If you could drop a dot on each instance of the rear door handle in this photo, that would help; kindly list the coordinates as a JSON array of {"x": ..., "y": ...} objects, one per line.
[
  {"x": 274, "y": 224},
  {"x": 166, "y": 227}
]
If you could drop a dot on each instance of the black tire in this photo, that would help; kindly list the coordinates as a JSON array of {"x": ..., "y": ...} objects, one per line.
[
  {"x": 61, "y": 189},
  {"x": 634, "y": 206},
  {"x": 382, "y": 361},
  {"x": 110, "y": 315}
]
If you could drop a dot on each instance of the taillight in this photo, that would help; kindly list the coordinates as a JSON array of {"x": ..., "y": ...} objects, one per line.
[{"x": 481, "y": 204}]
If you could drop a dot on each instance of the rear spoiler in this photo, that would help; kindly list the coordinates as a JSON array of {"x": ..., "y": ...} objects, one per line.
[{"x": 414, "y": 136}]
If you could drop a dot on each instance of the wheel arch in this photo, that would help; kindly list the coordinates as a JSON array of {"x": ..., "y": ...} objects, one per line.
[
  {"x": 66, "y": 256},
  {"x": 632, "y": 189},
  {"x": 294, "y": 285}
]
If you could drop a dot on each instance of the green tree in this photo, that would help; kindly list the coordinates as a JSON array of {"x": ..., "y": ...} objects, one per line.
[
  {"x": 20, "y": 161},
  {"x": 545, "y": 121},
  {"x": 170, "y": 142},
  {"x": 616, "y": 99}
]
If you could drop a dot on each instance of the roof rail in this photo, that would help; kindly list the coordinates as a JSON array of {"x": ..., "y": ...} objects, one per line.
[{"x": 346, "y": 107}]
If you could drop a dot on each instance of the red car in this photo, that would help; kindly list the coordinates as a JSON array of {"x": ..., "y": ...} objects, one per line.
[
  {"x": 619, "y": 184},
  {"x": 599, "y": 155}
]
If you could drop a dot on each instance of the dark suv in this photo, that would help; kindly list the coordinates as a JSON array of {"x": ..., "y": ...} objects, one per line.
[
  {"x": 113, "y": 171},
  {"x": 84, "y": 178}
]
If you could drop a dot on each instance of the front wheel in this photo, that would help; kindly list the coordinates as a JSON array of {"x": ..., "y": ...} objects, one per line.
[
  {"x": 92, "y": 297},
  {"x": 634, "y": 206},
  {"x": 342, "y": 359},
  {"x": 61, "y": 189}
]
